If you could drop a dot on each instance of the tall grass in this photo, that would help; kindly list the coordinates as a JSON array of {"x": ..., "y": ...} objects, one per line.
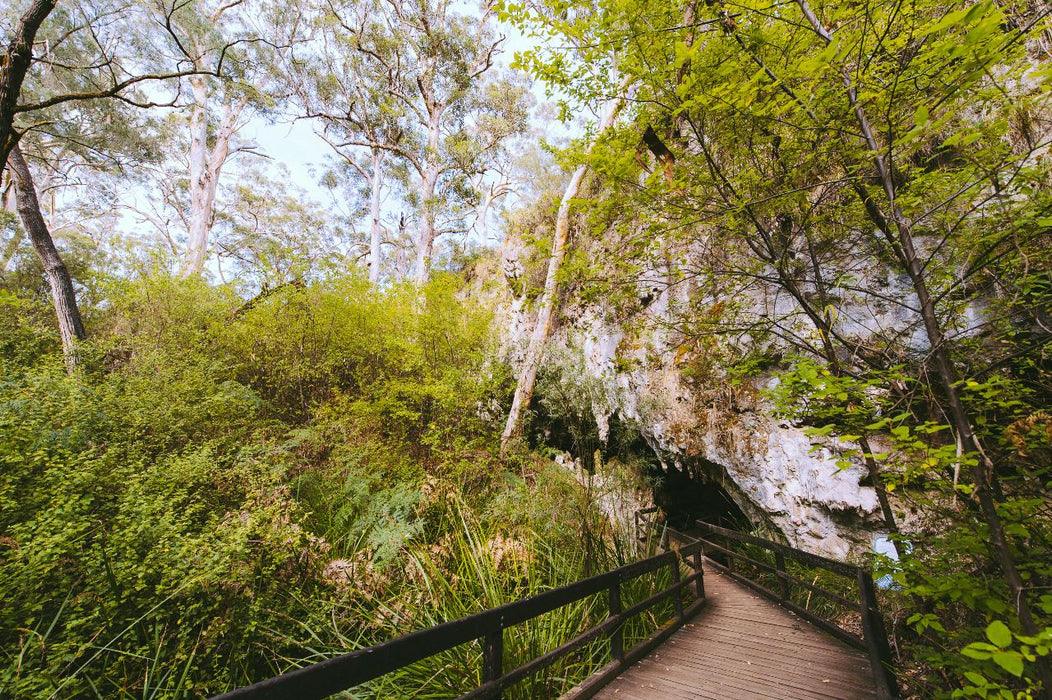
[{"x": 478, "y": 566}]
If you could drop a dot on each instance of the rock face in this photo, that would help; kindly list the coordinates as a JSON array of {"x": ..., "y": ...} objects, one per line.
[
  {"x": 716, "y": 431},
  {"x": 771, "y": 470}
]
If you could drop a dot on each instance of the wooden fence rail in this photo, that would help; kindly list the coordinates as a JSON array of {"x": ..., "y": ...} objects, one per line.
[
  {"x": 325, "y": 678},
  {"x": 873, "y": 641}
]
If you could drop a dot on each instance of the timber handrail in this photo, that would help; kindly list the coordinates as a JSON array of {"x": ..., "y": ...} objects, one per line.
[
  {"x": 873, "y": 641},
  {"x": 343, "y": 672},
  {"x": 644, "y": 519}
]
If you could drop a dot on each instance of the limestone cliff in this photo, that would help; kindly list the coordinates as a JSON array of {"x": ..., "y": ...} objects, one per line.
[{"x": 713, "y": 429}]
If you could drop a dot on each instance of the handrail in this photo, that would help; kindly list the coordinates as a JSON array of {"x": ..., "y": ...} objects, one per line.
[
  {"x": 874, "y": 639},
  {"x": 342, "y": 672},
  {"x": 643, "y": 518}
]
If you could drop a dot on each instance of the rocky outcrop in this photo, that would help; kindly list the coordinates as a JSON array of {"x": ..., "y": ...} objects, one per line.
[
  {"x": 772, "y": 470},
  {"x": 714, "y": 429}
]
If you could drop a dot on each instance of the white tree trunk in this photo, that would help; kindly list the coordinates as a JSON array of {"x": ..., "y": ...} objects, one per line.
[
  {"x": 483, "y": 215},
  {"x": 9, "y": 204},
  {"x": 7, "y": 192},
  {"x": 376, "y": 230},
  {"x": 546, "y": 306},
  {"x": 425, "y": 246},
  {"x": 205, "y": 167}
]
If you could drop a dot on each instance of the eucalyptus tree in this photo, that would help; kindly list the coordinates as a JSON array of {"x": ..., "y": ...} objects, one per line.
[
  {"x": 433, "y": 62},
  {"x": 71, "y": 327},
  {"x": 591, "y": 47},
  {"x": 527, "y": 379},
  {"x": 62, "y": 61},
  {"x": 496, "y": 171},
  {"x": 58, "y": 181},
  {"x": 272, "y": 234},
  {"x": 243, "y": 35},
  {"x": 350, "y": 94},
  {"x": 864, "y": 183},
  {"x": 96, "y": 50}
]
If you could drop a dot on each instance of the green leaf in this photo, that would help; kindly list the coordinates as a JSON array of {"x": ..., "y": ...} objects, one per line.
[
  {"x": 998, "y": 633},
  {"x": 974, "y": 653},
  {"x": 1009, "y": 661}
]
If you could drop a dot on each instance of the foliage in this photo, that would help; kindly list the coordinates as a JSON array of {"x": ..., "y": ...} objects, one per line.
[
  {"x": 180, "y": 517},
  {"x": 857, "y": 191}
]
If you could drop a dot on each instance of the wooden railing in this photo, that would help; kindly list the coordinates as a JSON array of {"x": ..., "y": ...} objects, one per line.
[
  {"x": 645, "y": 520},
  {"x": 342, "y": 672},
  {"x": 873, "y": 640}
]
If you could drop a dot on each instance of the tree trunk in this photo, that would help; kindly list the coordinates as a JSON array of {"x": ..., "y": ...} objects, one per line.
[
  {"x": 483, "y": 214},
  {"x": 904, "y": 238},
  {"x": 13, "y": 67},
  {"x": 376, "y": 230},
  {"x": 546, "y": 307},
  {"x": 205, "y": 168},
  {"x": 425, "y": 247},
  {"x": 429, "y": 181},
  {"x": 8, "y": 203},
  {"x": 70, "y": 326}
]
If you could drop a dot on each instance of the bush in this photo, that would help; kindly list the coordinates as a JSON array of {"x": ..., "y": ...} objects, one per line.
[{"x": 180, "y": 516}]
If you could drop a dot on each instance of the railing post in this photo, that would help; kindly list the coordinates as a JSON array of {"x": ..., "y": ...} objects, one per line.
[
  {"x": 783, "y": 583},
  {"x": 617, "y": 634},
  {"x": 699, "y": 582},
  {"x": 876, "y": 638},
  {"x": 493, "y": 657},
  {"x": 677, "y": 599}
]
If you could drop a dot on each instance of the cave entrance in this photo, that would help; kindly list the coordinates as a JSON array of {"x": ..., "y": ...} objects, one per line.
[
  {"x": 685, "y": 493},
  {"x": 693, "y": 493}
]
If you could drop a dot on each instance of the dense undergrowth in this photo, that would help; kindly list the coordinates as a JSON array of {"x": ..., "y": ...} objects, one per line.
[{"x": 226, "y": 490}]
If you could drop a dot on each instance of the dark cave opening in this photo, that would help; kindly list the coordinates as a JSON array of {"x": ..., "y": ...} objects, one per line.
[
  {"x": 693, "y": 493},
  {"x": 685, "y": 494}
]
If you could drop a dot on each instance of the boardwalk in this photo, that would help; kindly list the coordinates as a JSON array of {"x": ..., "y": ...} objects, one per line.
[
  {"x": 743, "y": 646},
  {"x": 728, "y": 644}
]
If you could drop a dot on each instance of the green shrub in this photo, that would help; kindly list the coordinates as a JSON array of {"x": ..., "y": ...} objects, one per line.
[{"x": 174, "y": 517}]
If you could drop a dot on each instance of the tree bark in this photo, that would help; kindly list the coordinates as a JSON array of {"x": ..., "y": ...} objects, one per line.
[
  {"x": 13, "y": 68},
  {"x": 205, "y": 167},
  {"x": 483, "y": 214},
  {"x": 429, "y": 181},
  {"x": 8, "y": 203},
  {"x": 546, "y": 307},
  {"x": 376, "y": 230},
  {"x": 71, "y": 328},
  {"x": 495, "y": 192}
]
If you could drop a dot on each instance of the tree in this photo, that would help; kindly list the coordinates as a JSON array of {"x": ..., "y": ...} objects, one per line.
[
  {"x": 63, "y": 296},
  {"x": 433, "y": 62},
  {"x": 88, "y": 58},
  {"x": 272, "y": 234},
  {"x": 823, "y": 164},
  {"x": 593, "y": 43},
  {"x": 350, "y": 95},
  {"x": 13, "y": 69},
  {"x": 217, "y": 108},
  {"x": 546, "y": 305},
  {"x": 497, "y": 172},
  {"x": 87, "y": 61}
]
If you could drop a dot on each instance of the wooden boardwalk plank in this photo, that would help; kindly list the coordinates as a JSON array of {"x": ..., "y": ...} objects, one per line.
[{"x": 742, "y": 645}]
